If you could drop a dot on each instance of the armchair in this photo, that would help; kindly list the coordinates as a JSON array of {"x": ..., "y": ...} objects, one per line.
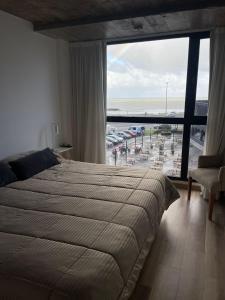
[{"x": 211, "y": 174}]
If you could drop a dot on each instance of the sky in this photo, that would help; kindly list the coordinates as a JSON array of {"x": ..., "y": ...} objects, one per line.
[{"x": 143, "y": 69}]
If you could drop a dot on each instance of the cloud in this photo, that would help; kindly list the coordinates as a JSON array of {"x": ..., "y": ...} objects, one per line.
[{"x": 143, "y": 69}]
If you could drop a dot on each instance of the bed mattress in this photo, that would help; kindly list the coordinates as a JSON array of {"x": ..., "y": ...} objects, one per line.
[{"x": 79, "y": 230}]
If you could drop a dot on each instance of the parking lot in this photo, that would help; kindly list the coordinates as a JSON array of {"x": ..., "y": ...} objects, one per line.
[{"x": 157, "y": 147}]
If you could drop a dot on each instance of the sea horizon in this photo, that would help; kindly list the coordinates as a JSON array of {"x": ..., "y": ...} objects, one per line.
[{"x": 146, "y": 105}]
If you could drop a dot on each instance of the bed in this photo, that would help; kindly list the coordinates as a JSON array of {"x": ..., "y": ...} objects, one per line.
[{"x": 79, "y": 230}]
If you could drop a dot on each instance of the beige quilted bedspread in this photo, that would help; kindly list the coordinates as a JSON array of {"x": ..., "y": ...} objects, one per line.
[{"x": 79, "y": 231}]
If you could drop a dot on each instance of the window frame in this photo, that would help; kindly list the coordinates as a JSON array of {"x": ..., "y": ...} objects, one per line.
[{"x": 189, "y": 118}]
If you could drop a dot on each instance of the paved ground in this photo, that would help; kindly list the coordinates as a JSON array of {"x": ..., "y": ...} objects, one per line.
[{"x": 161, "y": 152}]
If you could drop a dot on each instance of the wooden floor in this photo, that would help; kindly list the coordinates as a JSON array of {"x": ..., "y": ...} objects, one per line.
[{"x": 187, "y": 260}]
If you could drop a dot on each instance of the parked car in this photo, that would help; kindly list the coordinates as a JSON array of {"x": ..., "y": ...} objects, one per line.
[
  {"x": 117, "y": 137},
  {"x": 110, "y": 129},
  {"x": 112, "y": 140},
  {"x": 130, "y": 132},
  {"x": 165, "y": 127},
  {"x": 136, "y": 129},
  {"x": 172, "y": 114},
  {"x": 162, "y": 127},
  {"x": 110, "y": 132},
  {"x": 124, "y": 135}
]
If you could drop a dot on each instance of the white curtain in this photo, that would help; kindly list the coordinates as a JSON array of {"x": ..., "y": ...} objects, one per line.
[
  {"x": 215, "y": 135},
  {"x": 89, "y": 100}
]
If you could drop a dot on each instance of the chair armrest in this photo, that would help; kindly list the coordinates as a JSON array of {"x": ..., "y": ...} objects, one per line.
[
  {"x": 209, "y": 161},
  {"x": 222, "y": 178}
]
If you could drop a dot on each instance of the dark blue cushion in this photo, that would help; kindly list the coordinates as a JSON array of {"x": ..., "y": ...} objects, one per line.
[
  {"x": 6, "y": 174},
  {"x": 34, "y": 163}
]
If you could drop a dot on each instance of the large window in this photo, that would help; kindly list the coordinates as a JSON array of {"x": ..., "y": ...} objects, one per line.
[
  {"x": 157, "y": 101},
  {"x": 147, "y": 78}
]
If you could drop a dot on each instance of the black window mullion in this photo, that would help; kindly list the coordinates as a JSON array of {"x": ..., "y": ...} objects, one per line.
[
  {"x": 189, "y": 118},
  {"x": 199, "y": 120},
  {"x": 191, "y": 85},
  {"x": 147, "y": 120}
]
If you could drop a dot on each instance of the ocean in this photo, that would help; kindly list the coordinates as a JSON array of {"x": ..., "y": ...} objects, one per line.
[{"x": 145, "y": 106}]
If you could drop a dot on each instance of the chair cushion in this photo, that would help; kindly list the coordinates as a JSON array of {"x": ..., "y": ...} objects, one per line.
[{"x": 207, "y": 177}]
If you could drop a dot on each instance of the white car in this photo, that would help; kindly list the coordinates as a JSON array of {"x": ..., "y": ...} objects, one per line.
[
  {"x": 112, "y": 140},
  {"x": 124, "y": 135},
  {"x": 115, "y": 136},
  {"x": 172, "y": 114}
]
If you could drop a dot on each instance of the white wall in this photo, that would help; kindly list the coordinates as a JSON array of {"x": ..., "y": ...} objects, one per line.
[{"x": 31, "y": 67}]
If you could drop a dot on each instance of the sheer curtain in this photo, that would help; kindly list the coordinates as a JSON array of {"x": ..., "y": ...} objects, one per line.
[
  {"x": 215, "y": 135},
  {"x": 89, "y": 100}
]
